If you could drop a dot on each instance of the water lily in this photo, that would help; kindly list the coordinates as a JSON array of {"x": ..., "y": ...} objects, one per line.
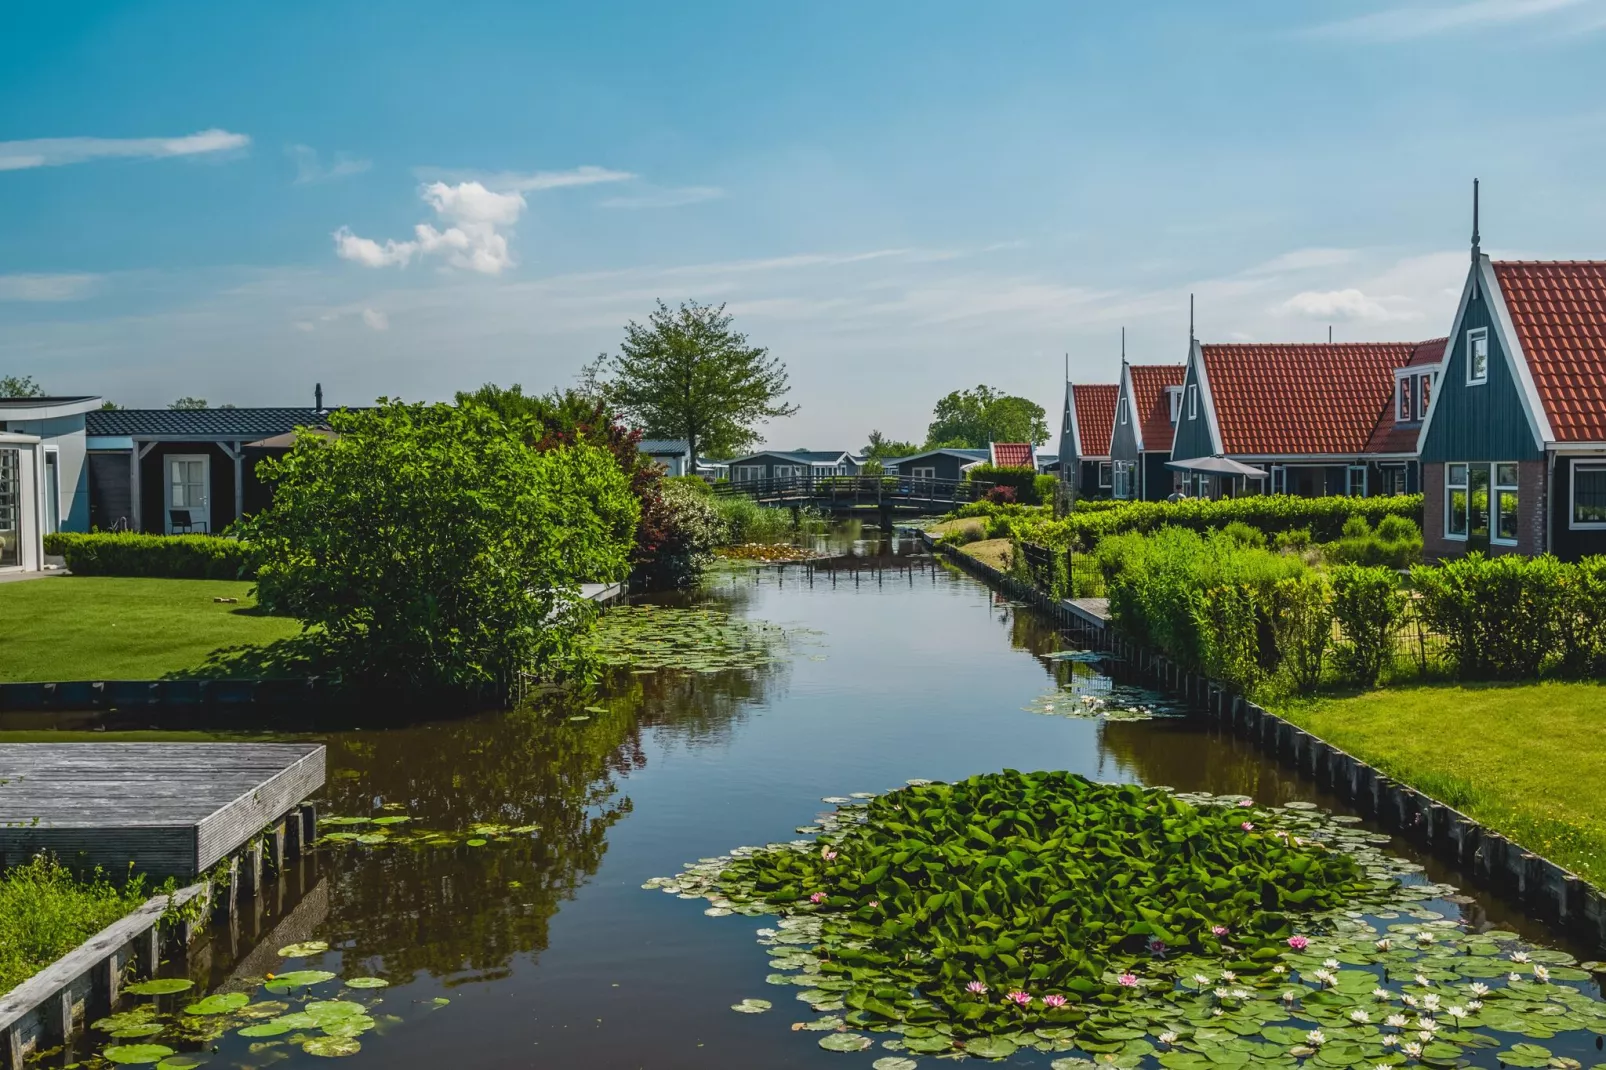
[
  {"x": 1246, "y": 802},
  {"x": 1218, "y": 930},
  {"x": 827, "y": 854},
  {"x": 976, "y": 988},
  {"x": 1513, "y": 978},
  {"x": 1456, "y": 1012},
  {"x": 874, "y": 903},
  {"x": 1279, "y": 968},
  {"x": 1426, "y": 1036},
  {"x": 1397, "y": 1021},
  {"x": 1542, "y": 974},
  {"x": 1427, "y": 1025},
  {"x": 1384, "y": 944},
  {"x": 1228, "y": 975},
  {"x": 1413, "y": 1049},
  {"x": 1316, "y": 1038},
  {"x": 1331, "y": 964},
  {"x": 1156, "y": 946},
  {"x": 1382, "y": 995},
  {"x": 1388, "y": 1040},
  {"x": 1128, "y": 980},
  {"x": 1519, "y": 956},
  {"x": 1298, "y": 943},
  {"x": 1167, "y": 1038},
  {"x": 1289, "y": 997},
  {"x": 1217, "y": 1012},
  {"x": 1248, "y": 826},
  {"x": 817, "y": 897},
  {"x": 1382, "y": 1066},
  {"x": 1019, "y": 998},
  {"x": 1221, "y": 993},
  {"x": 1424, "y": 938},
  {"x": 1430, "y": 1001},
  {"x": 1326, "y": 977},
  {"x": 1474, "y": 1005},
  {"x": 1360, "y": 1016},
  {"x": 1408, "y": 999},
  {"x": 1241, "y": 993},
  {"x": 1054, "y": 1002},
  {"x": 1423, "y": 981},
  {"x": 1200, "y": 979},
  {"x": 1480, "y": 989}
]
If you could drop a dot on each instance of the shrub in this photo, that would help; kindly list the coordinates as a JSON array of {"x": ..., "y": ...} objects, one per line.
[
  {"x": 46, "y": 911},
  {"x": 1368, "y": 606},
  {"x": 435, "y": 547},
  {"x": 694, "y": 484},
  {"x": 1227, "y": 622},
  {"x": 1498, "y": 614},
  {"x": 1581, "y": 619},
  {"x": 1022, "y": 479},
  {"x": 691, "y": 527},
  {"x": 1397, "y": 543},
  {"x": 1244, "y": 535},
  {"x": 1000, "y": 495},
  {"x": 1045, "y": 488},
  {"x": 1303, "y": 624},
  {"x": 173, "y": 557},
  {"x": 747, "y": 521},
  {"x": 1294, "y": 540}
]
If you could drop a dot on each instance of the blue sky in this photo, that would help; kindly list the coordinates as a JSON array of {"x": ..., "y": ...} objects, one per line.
[{"x": 899, "y": 199}]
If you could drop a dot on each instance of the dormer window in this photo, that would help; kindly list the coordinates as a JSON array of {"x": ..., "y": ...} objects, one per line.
[
  {"x": 1424, "y": 394},
  {"x": 1124, "y": 403},
  {"x": 1174, "y": 396},
  {"x": 1478, "y": 356},
  {"x": 1402, "y": 389}
]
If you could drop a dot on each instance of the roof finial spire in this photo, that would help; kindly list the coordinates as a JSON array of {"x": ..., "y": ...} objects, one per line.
[
  {"x": 1190, "y": 318},
  {"x": 1123, "y": 345},
  {"x": 1329, "y": 334},
  {"x": 1476, "y": 251}
]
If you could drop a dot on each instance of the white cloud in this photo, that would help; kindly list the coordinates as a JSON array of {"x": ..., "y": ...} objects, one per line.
[
  {"x": 376, "y": 320},
  {"x": 46, "y": 287},
  {"x": 56, "y": 151},
  {"x": 1418, "y": 20},
  {"x": 525, "y": 182},
  {"x": 310, "y": 168},
  {"x": 474, "y": 238},
  {"x": 1304, "y": 260},
  {"x": 1350, "y": 304},
  {"x": 667, "y": 198}
]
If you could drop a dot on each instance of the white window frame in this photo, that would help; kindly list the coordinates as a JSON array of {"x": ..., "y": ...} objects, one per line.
[
  {"x": 1405, "y": 399},
  {"x": 205, "y": 509},
  {"x": 787, "y": 471},
  {"x": 1424, "y": 395},
  {"x": 1474, "y": 336},
  {"x": 1106, "y": 475},
  {"x": 747, "y": 473},
  {"x": 1174, "y": 396},
  {"x": 1123, "y": 481},
  {"x": 1496, "y": 488},
  {"x": 1450, "y": 486},
  {"x": 1349, "y": 481},
  {"x": 17, "y": 518},
  {"x": 1573, "y": 523},
  {"x": 1193, "y": 401},
  {"x": 923, "y": 472},
  {"x": 50, "y": 494},
  {"x": 1124, "y": 406},
  {"x": 1279, "y": 479}
]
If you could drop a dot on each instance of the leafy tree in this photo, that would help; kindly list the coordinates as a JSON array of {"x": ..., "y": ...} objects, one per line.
[
  {"x": 109, "y": 406},
  {"x": 188, "y": 403},
  {"x": 973, "y": 418},
  {"x": 433, "y": 547},
  {"x": 687, "y": 374},
  {"x": 20, "y": 386},
  {"x": 882, "y": 448}
]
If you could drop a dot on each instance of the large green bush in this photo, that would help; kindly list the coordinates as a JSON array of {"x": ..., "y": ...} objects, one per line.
[
  {"x": 1270, "y": 513},
  {"x": 1368, "y": 606},
  {"x": 1396, "y": 543},
  {"x": 173, "y": 557},
  {"x": 1500, "y": 616},
  {"x": 691, "y": 527},
  {"x": 438, "y": 547},
  {"x": 1022, "y": 478},
  {"x": 1303, "y": 624}
]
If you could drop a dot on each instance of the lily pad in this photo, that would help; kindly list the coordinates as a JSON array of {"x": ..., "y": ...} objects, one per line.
[
  {"x": 266, "y": 1029},
  {"x": 366, "y": 982},
  {"x": 137, "y": 1054},
  {"x": 131, "y": 1032},
  {"x": 893, "y": 1062},
  {"x": 304, "y": 949},
  {"x": 182, "y": 1061},
  {"x": 332, "y": 1047},
  {"x": 845, "y": 1042},
  {"x": 159, "y": 986},
  {"x": 991, "y": 1047},
  {"x": 752, "y": 1006},
  {"x": 218, "y": 1003},
  {"x": 298, "y": 979}
]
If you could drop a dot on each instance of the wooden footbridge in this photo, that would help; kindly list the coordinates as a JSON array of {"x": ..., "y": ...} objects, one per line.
[{"x": 887, "y": 494}]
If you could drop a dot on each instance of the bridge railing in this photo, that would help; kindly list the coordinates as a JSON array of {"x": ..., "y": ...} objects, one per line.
[{"x": 856, "y": 489}]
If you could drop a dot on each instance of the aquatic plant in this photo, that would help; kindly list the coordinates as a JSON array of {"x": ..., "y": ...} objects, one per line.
[
  {"x": 1133, "y": 925},
  {"x": 644, "y": 637}
]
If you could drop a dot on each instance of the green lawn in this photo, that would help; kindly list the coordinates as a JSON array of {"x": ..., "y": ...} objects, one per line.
[
  {"x": 112, "y": 628},
  {"x": 1528, "y": 760}
]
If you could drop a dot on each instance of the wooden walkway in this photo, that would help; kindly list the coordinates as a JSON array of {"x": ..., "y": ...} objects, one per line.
[{"x": 170, "y": 808}]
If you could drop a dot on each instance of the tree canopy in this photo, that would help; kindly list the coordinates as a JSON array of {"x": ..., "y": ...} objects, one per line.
[
  {"x": 882, "y": 448},
  {"x": 973, "y": 418},
  {"x": 20, "y": 386},
  {"x": 688, "y": 374}
]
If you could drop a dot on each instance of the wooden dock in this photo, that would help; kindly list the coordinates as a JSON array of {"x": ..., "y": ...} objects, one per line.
[{"x": 172, "y": 809}]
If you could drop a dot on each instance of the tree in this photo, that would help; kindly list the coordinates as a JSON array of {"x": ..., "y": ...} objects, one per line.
[
  {"x": 882, "y": 448},
  {"x": 973, "y": 418},
  {"x": 188, "y": 403},
  {"x": 433, "y": 547},
  {"x": 687, "y": 374},
  {"x": 20, "y": 386}
]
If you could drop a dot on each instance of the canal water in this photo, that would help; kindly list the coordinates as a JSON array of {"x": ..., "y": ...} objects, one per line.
[{"x": 546, "y": 945}]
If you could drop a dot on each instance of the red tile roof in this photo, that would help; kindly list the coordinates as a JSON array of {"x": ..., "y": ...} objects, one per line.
[
  {"x": 1559, "y": 311},
  {"x": 1095, "y": 417},
  {"x": 1302, "y": 398},
  {"x": 1389, "y": 435},
  {"x": 1013, "y": 455},
  {"x": 1151, "y": 404}
]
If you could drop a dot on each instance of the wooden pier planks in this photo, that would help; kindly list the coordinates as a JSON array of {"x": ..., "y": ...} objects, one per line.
[{"x": 170, "y": 808}]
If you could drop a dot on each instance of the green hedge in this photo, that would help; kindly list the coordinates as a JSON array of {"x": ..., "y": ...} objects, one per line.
[
  {"x": 1270, "y": 513},
  {"x": 1022, "y": 478},
  {"x": 173, "y": 557}
]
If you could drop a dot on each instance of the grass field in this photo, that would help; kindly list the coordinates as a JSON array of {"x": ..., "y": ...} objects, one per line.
[
  {"x": 994, "y": 552},
  {"x": 1528, "y": 759},
  {"x": 113, "y": 628}
]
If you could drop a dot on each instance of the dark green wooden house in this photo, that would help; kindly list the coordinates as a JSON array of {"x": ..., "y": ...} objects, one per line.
[
  {"x": 1084, "y": 458},
  {"x": 1145, "y": 418}
]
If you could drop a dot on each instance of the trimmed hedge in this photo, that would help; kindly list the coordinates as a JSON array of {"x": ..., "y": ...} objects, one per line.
[
  {"x": 173, "y": 557},
  {"x": 1023, "y": 479},
  {"x": 1271, "y": 513}
]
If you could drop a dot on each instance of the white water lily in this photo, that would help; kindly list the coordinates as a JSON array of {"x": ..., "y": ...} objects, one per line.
[
  {"x": 1456, "y": 1012},
  {"x": 1228, "y": 975},
  {"x": 1221, "y": 993},
  {"x": 1398, "y": 1021},
  {"x": 1382, "y": 1066},
  {"x": 1316, "y": 1038},
  {"x": 1424, "y": 938},
  {"x": 1360, "y": 1016},
  {"x": 1384, "y": 944},
  {"x": 1324, "y": 976},
  {"x": 1217, "y": 1013},
  {"x": 1331, "y": 964},
  {"x": 1480, "y": 989},
  {"x": 1279, "y": 968},
  {"x": 1542, "y": 974},
  {"x": 1422, "y": 981},
  {"x": 1513, "y": 977},
  {"x": 1411, "y": 1049},
  {"x": 1200, "y": 979},
  {"x": 1519, "y": 956},
  {"x": 1241, "y": 993},
  {"x": 1427, "y": 1025},
  {"x": 1475, "y": 1005},
  {"x": 1168, "y": 1038},
  {"x": 1388, "y": 1040},
  {"x": 1430, "y": 1001},
  {"x": 1427, "y": 1036},
  {"x": 1289, "y": 997},
  {"x": 1382, "y": 995},
  {"x": 1408, "y": 999}
]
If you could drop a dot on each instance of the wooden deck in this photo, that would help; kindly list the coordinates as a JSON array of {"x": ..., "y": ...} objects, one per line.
[{"x": 169, "y": 808}]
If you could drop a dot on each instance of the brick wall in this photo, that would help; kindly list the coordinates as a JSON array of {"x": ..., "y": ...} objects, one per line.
[
  {"x": 1531, "y": 506},
  {"x": 1434, "y": 544}
]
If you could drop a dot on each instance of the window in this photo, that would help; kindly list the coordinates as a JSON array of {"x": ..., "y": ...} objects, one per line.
[
  {"x": 52, "y": 491},
  {"x": 1106, "y": 477},
  {"x": 1505, "y": 505},
  {"x": 1478, "y": 356},
  {"x": 928, "y": 472},
  {"x": 1402, "y": 389},
  {"x": 1478, "y": 503},
  {"x": 1455, "y": 501},
  {"x": 1123, "y": 408},
  {"x": 748, "y": 473},
  {"x": 1589, "y": 495},
  {"x": 1357, "y": 481},
  {"x": 1279, "y": 479},
  {"x": 10, "y": 508},
  {"x": 1173, "y": 394},
  {"x": 1424, "y": 393},
  {"x": 1392, "y": 478},
  {"x": 1193, "y": 401},
  {"x": 1123, "y": 478},
  {"x": 788, "y": 471}
]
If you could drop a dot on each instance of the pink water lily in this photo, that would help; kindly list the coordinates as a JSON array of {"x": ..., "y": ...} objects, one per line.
[
  {"x": 1053, "y": 1002},
  {"x": 1298, "y": 943},
  {"x": 1020, "y": 999},
  {"x": 1128, "y": 980},
  {"x": 817, "y": 897},
  {"x": 875, "y": 903},
  {"x": 1156, "y": 946},
  {"x": 1248, "y": 826},
  {"x": 1246, "y": 802},
  {"x": 976, "y": 988},
  {"x": 1219, "y": 930}
]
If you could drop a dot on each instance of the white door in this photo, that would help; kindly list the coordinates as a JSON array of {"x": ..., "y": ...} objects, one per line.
[{"x": 189, "y": 488}]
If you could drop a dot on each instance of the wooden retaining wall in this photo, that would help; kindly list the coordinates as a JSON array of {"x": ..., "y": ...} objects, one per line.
[{"x": 1543, "y": 888}]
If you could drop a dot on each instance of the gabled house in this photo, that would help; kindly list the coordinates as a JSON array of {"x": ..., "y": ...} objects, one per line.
[
  {"x": 1146, "y": 407},
  {"x": 943, "y": 463},
  {"x": 673, "y": 455},
  {"x": 1085, "y": 468},
  {"x": 1012, "y": 454},
  {"x": 1513, "y": 447},
  {"x": 1319, "y": 418},
  {"x": 780, "y": 464}
]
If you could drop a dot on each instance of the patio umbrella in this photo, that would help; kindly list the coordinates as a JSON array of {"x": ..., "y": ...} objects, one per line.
[{"x": 1218, "y": 466}]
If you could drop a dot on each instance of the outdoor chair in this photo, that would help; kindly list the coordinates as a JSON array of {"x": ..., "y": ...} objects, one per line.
[{"x": 184, "y": 524}]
